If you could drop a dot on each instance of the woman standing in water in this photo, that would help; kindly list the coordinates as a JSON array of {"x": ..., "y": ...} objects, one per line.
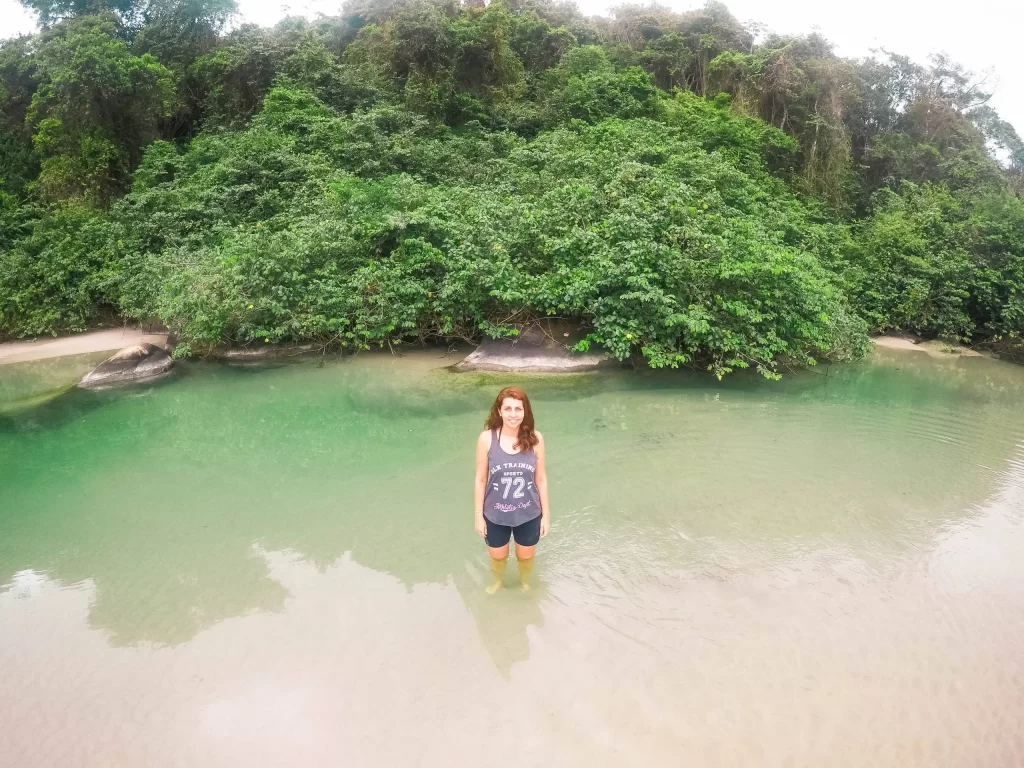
[{"x": 510, "y": 497}]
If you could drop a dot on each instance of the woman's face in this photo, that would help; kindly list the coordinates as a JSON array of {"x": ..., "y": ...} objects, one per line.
[{"x": 512, "y": 412}]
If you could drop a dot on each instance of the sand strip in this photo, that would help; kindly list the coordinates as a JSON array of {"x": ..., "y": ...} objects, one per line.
[
  {"x": 933, "y": 348},
  {"x": 895, "y": 342},
  {"x": 93, "y": 341}
]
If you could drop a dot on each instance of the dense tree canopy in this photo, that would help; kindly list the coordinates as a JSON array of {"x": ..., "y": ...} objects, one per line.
[{"x": 697, "y": 190}]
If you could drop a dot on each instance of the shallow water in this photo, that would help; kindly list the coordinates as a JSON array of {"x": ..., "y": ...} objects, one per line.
[{"x": 277, "y": 566}]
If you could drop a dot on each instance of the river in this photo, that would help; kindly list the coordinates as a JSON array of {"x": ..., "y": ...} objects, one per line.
[{"x": 276, "y": 566}]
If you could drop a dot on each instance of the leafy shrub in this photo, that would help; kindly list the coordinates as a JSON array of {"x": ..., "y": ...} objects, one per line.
[
  {"x": 940, "y": 264},
  {"x": 57, "y": 276},
  {"x": 594, "y": 96},
  {"x": 672, "y": 253}
]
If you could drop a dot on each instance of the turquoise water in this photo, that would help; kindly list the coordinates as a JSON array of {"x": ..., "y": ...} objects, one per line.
[{"x": 277, "y": 566}]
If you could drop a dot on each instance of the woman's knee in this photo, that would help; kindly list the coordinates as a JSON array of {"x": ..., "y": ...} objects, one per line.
[
  {"x": 498, "y": 553},
  {"x": 525, "y": 553}
]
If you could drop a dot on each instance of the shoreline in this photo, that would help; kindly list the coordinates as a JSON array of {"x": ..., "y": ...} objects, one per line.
[
  {"x": 113, "y": 339},
  {"x": 935, "y": 348},
  {"x": 106, "y": 340}
]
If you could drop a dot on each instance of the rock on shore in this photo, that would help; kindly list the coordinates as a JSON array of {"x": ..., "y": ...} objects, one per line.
[{"x": 542, "y": 348}]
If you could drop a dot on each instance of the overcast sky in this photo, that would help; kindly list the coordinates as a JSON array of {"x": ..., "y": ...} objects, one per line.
[{"x": 981, "y": 34}]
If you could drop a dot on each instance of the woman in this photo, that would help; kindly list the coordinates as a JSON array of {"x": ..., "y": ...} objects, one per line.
[{"x": 510, "y": 497}]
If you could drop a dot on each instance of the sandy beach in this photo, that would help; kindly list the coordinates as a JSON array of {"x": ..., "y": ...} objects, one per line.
[{"x": 94, "y": 341}]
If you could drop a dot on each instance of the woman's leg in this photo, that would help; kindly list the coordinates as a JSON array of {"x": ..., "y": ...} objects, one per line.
[
  {"x": 497, "y": 546},
  {"x": 524, "y": 556},
  {"x": 499, "y": 559},
  {"x": 526, "y": 535}
]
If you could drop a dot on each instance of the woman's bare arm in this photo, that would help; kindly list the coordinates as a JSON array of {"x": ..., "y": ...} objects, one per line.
[
  {"x": 541, "y": 476},
  {"x": 480, "y": 484}
]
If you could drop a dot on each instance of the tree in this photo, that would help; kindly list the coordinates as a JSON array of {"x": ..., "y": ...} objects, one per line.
[
  {"x": 678, "y": 48},
  {"x": 178, "y": 31},
  {"x": 52, "y": 11},
  {"x": 18, "y": 81},
  {"x": 691, "y": 185},
  {"x": 96, "y": 108}
]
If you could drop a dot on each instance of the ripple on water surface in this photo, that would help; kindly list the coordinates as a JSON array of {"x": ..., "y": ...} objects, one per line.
[{"x": 276, "y": 566}]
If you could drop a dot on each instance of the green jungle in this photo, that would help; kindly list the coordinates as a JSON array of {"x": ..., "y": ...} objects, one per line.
[{"x": 697, "y": 191}]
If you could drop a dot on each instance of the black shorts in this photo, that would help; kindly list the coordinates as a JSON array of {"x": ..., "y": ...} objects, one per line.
[{"x": 526, "y": 535}]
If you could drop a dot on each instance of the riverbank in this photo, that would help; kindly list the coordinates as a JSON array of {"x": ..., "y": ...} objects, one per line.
[
  {"x": 934, "y": 347},
  {"x": 111, "y": 339}
]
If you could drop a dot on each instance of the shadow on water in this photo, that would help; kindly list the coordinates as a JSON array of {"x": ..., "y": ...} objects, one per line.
[
  {"x": 51, "y": 410},
  {"x": 503, "y": 620},
  {"x": 167, "y": 497},
  {"x": 19, "y": 381}
]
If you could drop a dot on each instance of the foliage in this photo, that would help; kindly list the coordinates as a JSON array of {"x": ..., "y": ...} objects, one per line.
[
  {"x": 940, "y": 265},
  {"x": 700, "y": 191},
  {"x": 585, "y": 86},
  {"x": 232, "y": 80},
  {"x": 53, "y": 11},
  {"x": 55, "y": 276},
  {"x": 177, "y": 32},
  {"x": 95, "y": 109},
  {"x": 671, "y": 252}
]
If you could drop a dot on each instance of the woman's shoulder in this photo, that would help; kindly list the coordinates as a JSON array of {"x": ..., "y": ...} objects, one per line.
[
  {"x": 485, "y": 437},
  {"x": 540, "y": 436}
]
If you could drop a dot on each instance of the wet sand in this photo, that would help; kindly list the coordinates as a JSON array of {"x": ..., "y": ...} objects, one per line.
[
  {"x": 94, "y": 341},
  {"x": 938, "y": 348},
  {"x": 895, "y": 342}
]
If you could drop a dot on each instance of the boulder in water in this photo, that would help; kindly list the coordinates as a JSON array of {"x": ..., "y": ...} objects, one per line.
[{"x": 140, "y": 362}]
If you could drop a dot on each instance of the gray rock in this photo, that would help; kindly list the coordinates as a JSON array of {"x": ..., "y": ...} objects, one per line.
[
  {"x": 544, "y": 347},
  {"x": 141, "y": 362},
  {"x": 259, "y": 352}
]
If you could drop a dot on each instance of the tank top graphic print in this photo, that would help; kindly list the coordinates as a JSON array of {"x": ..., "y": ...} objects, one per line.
[{"x": 511, "y": 497}]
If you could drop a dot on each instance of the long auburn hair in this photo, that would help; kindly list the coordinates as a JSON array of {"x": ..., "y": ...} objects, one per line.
[{"x": 527, "y": 437}]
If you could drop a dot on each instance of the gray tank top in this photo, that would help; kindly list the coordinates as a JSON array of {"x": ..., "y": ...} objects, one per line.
[{"x": 511, "y": 497}]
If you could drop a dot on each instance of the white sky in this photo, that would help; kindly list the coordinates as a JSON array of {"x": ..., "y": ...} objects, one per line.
[{"x": 981, "y": 34}]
